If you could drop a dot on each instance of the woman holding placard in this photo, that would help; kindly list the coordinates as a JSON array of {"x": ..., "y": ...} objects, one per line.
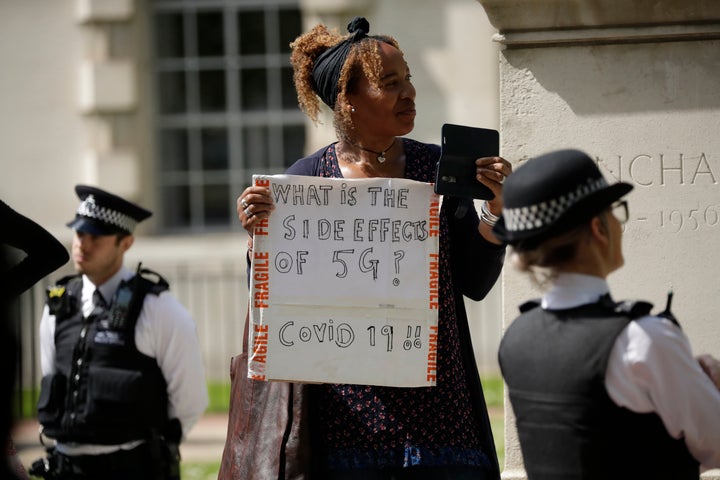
[{"x": 362, "y": 431}]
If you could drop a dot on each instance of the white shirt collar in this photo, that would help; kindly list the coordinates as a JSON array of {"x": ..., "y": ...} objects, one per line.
[
  {"x": 107, "y": 289},
  {"x": 573, "y": 289}
]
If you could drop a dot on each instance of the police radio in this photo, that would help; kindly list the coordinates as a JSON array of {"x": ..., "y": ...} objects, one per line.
[
  {"x": 128, "y": 301},
  {"x": 130, "y": 295},
  {"x": 121, "y": 305}
]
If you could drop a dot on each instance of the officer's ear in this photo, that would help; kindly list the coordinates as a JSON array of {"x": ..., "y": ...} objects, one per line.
[
  {"x": 125, "y": 242},
  {"x": 599, "y": 228}
]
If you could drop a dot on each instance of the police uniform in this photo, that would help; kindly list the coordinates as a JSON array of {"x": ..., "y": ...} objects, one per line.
[
  {"x": 599, "y": 389},
  {"x": 123, "y": 379},
  {"x": 618, "y": 390}
]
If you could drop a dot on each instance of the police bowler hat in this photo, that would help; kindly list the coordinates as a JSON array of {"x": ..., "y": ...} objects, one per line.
[
  {"x": 552, "y": 193},
  {"x": 102, "y": 213}
]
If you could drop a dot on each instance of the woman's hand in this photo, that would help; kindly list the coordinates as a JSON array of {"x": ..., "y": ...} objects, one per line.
[
  {"x": 491, "y": 172},
  {"x": 254, "y": 205},
  {"x": 711, "y": 367}
]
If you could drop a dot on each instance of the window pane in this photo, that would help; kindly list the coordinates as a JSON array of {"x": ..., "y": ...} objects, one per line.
[
  {"x": 176, "y": 206},
  {"x": 293, "y": 143},
  {"x": 212, "y": 90},
  {"x": 255, "y": 141},
  {"x": 205, "y": 88},
  {"x": 169, "y": 40},
  {"x": 252, "y": 32},
  {"x": 290, "y": 27},
  {"x": 217, "y": 204},
  {"x": 210, "y": 34},
  {"x": 171, "y": 87},
  {"x": 174, "y": 150},
  {"x": 253, "y": 85},
  {"x": 214, "y": 149},
  {"x": 289, "y": 94}
]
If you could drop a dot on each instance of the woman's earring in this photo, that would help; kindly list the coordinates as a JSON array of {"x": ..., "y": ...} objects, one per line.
[{"x": 352, "y": 109}]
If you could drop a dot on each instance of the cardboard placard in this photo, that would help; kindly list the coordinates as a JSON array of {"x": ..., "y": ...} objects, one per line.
[{"x": 344, "y": 282}]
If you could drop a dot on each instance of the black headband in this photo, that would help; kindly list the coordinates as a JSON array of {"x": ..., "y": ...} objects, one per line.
[{"x": 327, "y": 67}]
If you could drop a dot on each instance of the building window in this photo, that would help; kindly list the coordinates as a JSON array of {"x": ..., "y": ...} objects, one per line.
[{"x": 226, "y": 105}]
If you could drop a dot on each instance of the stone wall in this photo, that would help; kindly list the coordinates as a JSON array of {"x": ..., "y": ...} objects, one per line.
[{"x": 635, "y": 84}]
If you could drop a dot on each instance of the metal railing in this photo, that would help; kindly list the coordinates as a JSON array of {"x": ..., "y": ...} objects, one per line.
[{"x": 216, "y": 296}]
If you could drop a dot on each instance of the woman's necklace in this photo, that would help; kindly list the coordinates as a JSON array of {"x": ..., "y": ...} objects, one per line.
[{"x": 380, "y": 155}]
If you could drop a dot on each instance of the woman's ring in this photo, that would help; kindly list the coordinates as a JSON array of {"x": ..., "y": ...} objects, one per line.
[
  {"x": 248, "y": 213},
  {"x": 243, "y": 203}
]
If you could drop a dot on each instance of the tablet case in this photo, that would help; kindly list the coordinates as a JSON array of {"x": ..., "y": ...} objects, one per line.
[{"x": 461, "y": 146}]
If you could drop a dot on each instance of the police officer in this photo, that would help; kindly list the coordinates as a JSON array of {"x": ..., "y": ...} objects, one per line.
[
  {"x": 600, "y": 389},
  {"x": 123, "y": 379}
]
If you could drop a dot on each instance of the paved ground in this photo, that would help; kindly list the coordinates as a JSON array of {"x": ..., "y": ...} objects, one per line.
[{"x": 204, "y": 444}]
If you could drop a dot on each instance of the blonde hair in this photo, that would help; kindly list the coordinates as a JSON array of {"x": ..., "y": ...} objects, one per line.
[
  {"x": 364, "y": 57},
  {"x": 542, "y": 261}
]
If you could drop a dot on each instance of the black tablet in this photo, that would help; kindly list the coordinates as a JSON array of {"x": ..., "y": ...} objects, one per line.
[{"x": 461, "y": 146}]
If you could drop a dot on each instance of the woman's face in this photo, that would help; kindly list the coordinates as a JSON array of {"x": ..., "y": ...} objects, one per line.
[{"x": 387, "y": 109}]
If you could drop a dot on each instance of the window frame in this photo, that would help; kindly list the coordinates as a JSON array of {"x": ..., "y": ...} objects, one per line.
[{"x": 278, "y": 122}]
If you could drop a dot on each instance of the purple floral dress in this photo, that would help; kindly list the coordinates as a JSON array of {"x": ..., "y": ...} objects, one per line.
[{"x": 362, "y": 426}]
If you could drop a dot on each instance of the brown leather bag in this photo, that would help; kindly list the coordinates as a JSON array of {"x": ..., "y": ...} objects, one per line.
[{"x": 268, "y": 427}]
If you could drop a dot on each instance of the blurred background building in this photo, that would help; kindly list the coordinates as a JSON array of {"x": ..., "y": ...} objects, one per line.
[{"x": 176, "y": 103}]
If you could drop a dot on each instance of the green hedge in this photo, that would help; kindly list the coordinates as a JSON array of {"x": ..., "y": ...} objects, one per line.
[{"x": 219, "y": 394}]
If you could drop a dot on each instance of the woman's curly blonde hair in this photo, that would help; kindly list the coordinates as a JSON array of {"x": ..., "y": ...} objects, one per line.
[{"x": 364, "y": 57}]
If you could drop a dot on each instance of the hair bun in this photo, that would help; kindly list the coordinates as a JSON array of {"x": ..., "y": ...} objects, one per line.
[{"x": 359, "y": 24}]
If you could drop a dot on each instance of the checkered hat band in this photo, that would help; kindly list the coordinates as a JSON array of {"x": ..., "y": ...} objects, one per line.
[
  {"x": 88, "y": 208},
  {"x": 540, "y": 215}
]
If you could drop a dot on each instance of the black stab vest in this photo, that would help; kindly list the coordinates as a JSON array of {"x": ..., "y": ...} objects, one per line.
[
  {"x": 554, "y": 364},
  {"x": 103, "y": 391}
]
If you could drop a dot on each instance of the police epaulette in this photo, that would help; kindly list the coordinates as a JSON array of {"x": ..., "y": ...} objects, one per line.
[
  {"x": 155, "y": 285},
  {"x": 529, "y": 305},
  {"x": 634, "y": 309},
  {"x": 640, "y": 308}
]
